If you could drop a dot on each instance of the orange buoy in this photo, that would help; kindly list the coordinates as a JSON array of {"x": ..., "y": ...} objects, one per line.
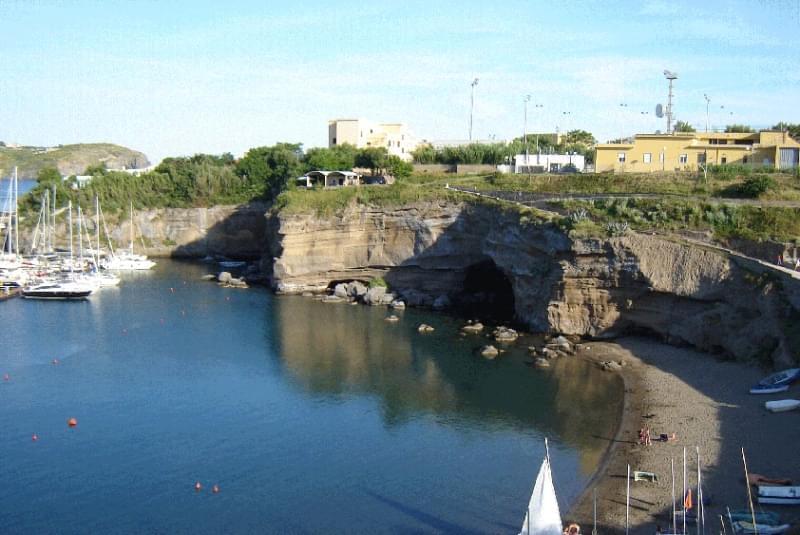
[
  {"x": 215, "y": 489},
  {"x": 72, "y": 422},
  {"x": 198, "y": 486},
  {"x": 35, "y": 437}
]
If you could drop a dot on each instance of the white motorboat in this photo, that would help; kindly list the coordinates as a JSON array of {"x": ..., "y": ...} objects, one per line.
[
  {"x": 782, "y": 405},
  {"x": 779, "y": 495},
  {"x": 61, "y": 290}
]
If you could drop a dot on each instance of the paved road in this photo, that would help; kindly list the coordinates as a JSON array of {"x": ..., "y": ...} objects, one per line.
[{"x": 532, "y": 199}]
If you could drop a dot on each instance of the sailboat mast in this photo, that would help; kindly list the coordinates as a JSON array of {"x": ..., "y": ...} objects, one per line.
[
  {"x": 97, "y": 224},
  {"x": 594, "y": 514},
  {"x": 70, "y": 235},
  {"x": 701, "y": 522},
  {"x": 54, "y": 218},
  {"x": 683, "y": 496},
  {"x": 749, "y": 494},
  {"x": 16, "y": 211},
  {"x": 674, "y": 525},
  {"x": 628, "y": 501},
  {"x": 80, "y": 238},
  {"x": 131, "y": 227}
]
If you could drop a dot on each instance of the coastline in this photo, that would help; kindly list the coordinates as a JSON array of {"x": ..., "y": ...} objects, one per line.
[{"x": 707, "y": 404}]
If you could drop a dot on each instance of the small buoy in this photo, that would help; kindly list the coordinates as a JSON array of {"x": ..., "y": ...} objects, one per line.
[
  {"x": 35, "y": 437},
  {"x": 72, "y": 422},
  {"x": 6, "y": 377},
  {"x": 215, "y": 489},
  {"x": 55, "y": 361},
  {"x": 172, "y": 290},
  {"x": 184, "y": 283},
  {"x": 183, "y": 312},
  {"x": 124, "y": 331},
  {"x": 198, "y": 487}
]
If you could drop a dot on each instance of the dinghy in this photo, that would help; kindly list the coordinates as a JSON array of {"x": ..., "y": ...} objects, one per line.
[
  {"x": 785, "y": 377},
  {"x": 769, "y": 389},
  {"x": 782, "y": 405},
  {"x": 764, "y": 481},
  {"x": 779, "y": 495},
  {"x": 543, "y": 516},
  {"x": 766, "y": 518},
  {"x": 747, "y": 528}
]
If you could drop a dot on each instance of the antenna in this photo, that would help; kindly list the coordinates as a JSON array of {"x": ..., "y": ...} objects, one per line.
[
  {"x": 671, "y": 76},
  {"x": 659, "y": 111}
]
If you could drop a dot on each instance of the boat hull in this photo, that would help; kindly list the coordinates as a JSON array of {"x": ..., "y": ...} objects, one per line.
[
  {"x": 782, "y": 405},
  {"x": 779, "y": 495},
  {"x": 760, "y": 389}
]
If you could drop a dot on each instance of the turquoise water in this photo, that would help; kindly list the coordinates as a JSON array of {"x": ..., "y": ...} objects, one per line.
[{"x": 310, "y": 417}]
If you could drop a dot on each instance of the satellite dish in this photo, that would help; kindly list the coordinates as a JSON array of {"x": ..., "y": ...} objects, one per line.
[{"x": 659, "y": 111}]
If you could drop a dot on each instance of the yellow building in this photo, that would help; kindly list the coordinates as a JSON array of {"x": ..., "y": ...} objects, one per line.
[
  {"x": 686, "y": 151},
  {"x": 396, "y": 137}
]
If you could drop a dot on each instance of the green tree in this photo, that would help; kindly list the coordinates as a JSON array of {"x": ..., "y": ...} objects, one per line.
[
  {"x": 581, "y": 137},
  {"x": 373, "y": 158},
  {"x": 425, "y": 154},
  {"x": 48, "y": 176},
  {"x": 739, "y": 128},
  {"x": 683, "y": 126},
  {"x": 339, "y": 157},
  {"x": 398, "y": 168},
  {"x": 271, "y": 168}
]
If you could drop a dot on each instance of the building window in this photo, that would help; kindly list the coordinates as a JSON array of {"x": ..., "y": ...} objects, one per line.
[
  {"x": 621, "y": 157},
  {"x": 744, "y": 159},
  {"x": 370, "y": 130},
  {"x": 683, "y": 158},
  {"x": 648, "y": 157},
  {"x": 723, "y": 160},
  {"x": 701, "y": 157},
  {"x": 334, "y": 141}
]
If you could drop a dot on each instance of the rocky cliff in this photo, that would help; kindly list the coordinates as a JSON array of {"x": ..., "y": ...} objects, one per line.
[{"x": 433, "y": 252}]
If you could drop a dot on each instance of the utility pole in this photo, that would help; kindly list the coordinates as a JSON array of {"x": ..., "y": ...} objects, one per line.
[
  {"x": 708, "y": 100},
  {"x": 671, "y": 76},
  {"x": 472, "y": 106},
  {"x": 622, "y": 108}
]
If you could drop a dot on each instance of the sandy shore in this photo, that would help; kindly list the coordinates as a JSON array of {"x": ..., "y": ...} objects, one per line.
[{"x": 705, "y": 402}]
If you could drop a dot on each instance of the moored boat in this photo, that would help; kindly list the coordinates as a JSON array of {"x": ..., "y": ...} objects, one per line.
[
  {"x": 58, "y": 291},
  {"x": 747, "y": 528},
  {"x": 767, "y": 518},
  {"x": 778, "y": 379},
  {"x": 543, "y": 516},
  {"x": 782, "y": 405},
  {"x": 779, "y": 495},
  {"x": 769, "y": 389}
]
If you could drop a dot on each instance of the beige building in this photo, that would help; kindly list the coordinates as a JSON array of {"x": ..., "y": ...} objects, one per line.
[
  {"x": 396, "y": 137},
  {"x": 686, "y": 151}
]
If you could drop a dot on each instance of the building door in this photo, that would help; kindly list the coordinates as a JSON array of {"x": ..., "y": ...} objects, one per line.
[{"x": 789, "y": 158}]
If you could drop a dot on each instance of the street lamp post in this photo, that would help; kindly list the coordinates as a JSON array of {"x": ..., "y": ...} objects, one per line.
[
  {"x": 708, "y": 100},
  {"x": 622, "y": 108},
  {"x": 537, "y": 135},
  {"x": 472, "y": 105},
  {"x": 525, "y": 131}
]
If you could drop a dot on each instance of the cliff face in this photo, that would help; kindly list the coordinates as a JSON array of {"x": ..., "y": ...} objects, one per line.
[
  {"x": 601, "y": 288},
  {"x": 236, "y": 231}
]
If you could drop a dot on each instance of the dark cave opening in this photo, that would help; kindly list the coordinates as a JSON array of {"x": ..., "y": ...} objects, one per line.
[{"x": 487, "y": 293}]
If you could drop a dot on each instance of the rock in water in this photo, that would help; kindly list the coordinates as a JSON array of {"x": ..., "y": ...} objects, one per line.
[
  {"x": 489, "y": 352},
  {"x": 374, "y": 296},
  {"x": 398, "y": 305},
  {"x": 541, "y": 363},
  {"x": 473, "y": 327},
  {"x": 356, "y": 289},
  {"x": 224, "y": 277},
  {"x": 425, "y": 328},
  {"x": 505, "y": 334},
  {"x": 391, "y": 318}
]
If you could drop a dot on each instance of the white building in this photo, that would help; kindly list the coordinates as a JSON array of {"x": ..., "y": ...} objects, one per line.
[
  {"x": 396, "y": 137},
  {"x": 547, "y": 163}
]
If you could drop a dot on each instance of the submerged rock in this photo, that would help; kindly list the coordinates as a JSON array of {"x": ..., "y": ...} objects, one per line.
[
  {"x": 489, "y": 352},
  {"x": 505, "y": 334},
  {"x": 425, "y": 328},
  {"x": 472, "y": 327},
  {"x": 398, "y": 305},
  {"x": 391, "y": 318},
  {"x": 541, "y": 363},
  {"x": 332, "y": 299}
]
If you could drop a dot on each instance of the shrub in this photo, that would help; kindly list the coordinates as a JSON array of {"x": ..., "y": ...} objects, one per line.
[
  {"x": 377, "y": 282},
  {"x": 756, "y": 186}
]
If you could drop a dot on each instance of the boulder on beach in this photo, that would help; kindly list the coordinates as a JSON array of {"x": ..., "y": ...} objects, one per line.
[
  {"x": 425, "y": 328},
  {"x": 340, "y": 291},
  {"x": 489, "y": 352},
  {"x": 610, "y": 365},
  {"x": 471, "y": 327}
]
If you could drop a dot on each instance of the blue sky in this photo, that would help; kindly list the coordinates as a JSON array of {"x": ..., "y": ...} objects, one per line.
[{"x": 177, "y": 78}]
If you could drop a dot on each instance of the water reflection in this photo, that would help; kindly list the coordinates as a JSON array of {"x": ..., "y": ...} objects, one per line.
[{"x": 337, "y": 350}]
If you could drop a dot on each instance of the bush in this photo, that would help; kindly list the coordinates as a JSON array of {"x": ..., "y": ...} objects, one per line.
[
  {"x": 378, "y": 282},
  {"x": 756, "y": 186}
]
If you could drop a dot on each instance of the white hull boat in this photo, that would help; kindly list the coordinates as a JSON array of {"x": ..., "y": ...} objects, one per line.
[
  {"x": 782, "y": 405},
  {"x": 779, "y": 495},
  {"x": 762, "y": 389},
  {"x": 59, "y": 291}
]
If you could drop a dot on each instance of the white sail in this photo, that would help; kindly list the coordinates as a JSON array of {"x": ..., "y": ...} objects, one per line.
[{"x": 543, "y": 516}]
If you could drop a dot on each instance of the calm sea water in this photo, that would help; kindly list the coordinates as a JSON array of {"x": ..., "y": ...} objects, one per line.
[
  {"x": 24, "y": 186},
  {"x": 310, "y": 417}
]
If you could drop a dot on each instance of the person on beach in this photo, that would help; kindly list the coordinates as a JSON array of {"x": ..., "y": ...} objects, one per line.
[
  {"x": 647, "y": 441},
  {"x": 797, "y": 264},
  {"x": 780, "y": 259}
]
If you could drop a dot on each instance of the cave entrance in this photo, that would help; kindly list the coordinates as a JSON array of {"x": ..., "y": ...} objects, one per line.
[{"x": 487, "y": 292}]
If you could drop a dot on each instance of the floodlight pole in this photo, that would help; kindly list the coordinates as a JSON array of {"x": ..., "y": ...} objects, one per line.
[
  {"x": 671, "y": 76},
  {"x": 472, "y": 105},
  {"x": 708, "y": 100},
  {"x": 622, "y": 108},
  {"x": 525, "y": 132}
]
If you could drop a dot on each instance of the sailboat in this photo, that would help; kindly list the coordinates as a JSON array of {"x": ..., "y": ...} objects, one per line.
[
  {"x": 543, "y": 516},
  {"x": 128, "y": 260}
]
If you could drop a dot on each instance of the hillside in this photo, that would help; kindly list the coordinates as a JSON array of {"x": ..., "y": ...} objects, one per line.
[{"x": 69, "y": 159}]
